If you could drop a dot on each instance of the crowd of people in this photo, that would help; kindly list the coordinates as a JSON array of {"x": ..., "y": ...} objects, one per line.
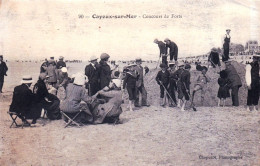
[{"x": 96, "y": 96}]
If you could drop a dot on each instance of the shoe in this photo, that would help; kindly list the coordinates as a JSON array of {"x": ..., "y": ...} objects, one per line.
[{"x": 146, "y": 105}]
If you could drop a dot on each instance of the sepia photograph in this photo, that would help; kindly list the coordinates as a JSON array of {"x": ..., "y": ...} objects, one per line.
[{"x": 129, "y": 83}]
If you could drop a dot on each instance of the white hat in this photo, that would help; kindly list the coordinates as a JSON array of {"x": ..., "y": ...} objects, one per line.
[
  {"x": 117, "y": 82},
  {"x": 27, "y": 79},
  {"x": 181, "y": 64},
  {"x": 93, "y": 58},
  {"x": 80, "y": 79},
  {"x": 64, "y": 70}
]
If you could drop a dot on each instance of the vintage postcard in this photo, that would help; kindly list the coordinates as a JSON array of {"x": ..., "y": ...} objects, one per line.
[{"x": 134, "y": 82}]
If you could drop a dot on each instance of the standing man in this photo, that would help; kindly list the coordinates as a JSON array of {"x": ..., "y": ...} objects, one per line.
[
  {"x": 140, "y": 84},
  {"x": 105, "y": 71},
  {"x": 226, "y": 44},
  {"x": 253, "y": 84},
  {"x": 60, "y": 63},
  {"x": 234, "y": 82},
  {"x": 163, "y": 50},
  {"x": 3, "y": 70},
  {"x": 173, "y": 50},
  {"x": 92, "y": 72}
]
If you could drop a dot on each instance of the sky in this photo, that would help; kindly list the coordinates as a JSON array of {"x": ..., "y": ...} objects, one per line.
[{"x": 31, "y": 29}]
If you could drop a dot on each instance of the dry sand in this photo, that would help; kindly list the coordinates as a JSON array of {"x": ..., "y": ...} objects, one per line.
[{"x": 148, "y": 136}]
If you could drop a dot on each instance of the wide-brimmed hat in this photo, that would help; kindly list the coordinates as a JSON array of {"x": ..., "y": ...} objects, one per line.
[
  {"x": 93, "y": 58},
  {"x": 256, "y": 56},
  {"x": 171, "y": 63},
  {"x": 80, "y": 79},
  {"x": 181, "y": 64},
  {"x": 130, "y": 65},
  {"x": 64, "y": 70},
  {"x": 163, "y": 65},
  {"x": 104, "y": 56},
  {"x": 52, "y": 57},
  {"x": 61, "y": 57},
  {"x": 27, "y": 79}
]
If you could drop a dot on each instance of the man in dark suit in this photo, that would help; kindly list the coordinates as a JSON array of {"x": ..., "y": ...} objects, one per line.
[
  {"x": 61, "y": 63},
  {"x": 3, "y": 70},
  {"x": 173, "y": 49},
  {"x": 23, "y": 101},
  {"x": 105, "y": 71},
  {"x": 162, "y": 48},
  {"x": 92, "y": 72}
]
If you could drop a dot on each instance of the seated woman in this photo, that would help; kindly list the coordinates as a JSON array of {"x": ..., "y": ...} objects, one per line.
[
  {"x": 45, "y": 100},
  {"x": 23, "y": 101},
  {"x": 76, "y": 100},
  {"x": 110, "y": 109}
]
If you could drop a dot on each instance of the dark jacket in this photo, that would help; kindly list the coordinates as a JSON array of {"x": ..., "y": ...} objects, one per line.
[
  {"x": 255, "y": 71},
  {"x": 3, "y": 69},
  {"x": 22, "y": 99},
  {"x": 60, "y": 64},
  {"x": 130, "y": 79},
  {"x": 185, "y": 78},
  {"x": 233, "y": 76},
  {"x": 105, "y": 74},
  {"x": 40, "y": 90},
  {"x": 173, "y": 48},
  {"x": 92, "y": 73},
  {"x": 163, "y": 77},
  {"x": 162, "y": 47}
]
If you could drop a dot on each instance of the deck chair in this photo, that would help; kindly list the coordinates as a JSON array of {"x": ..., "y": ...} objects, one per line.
[
  {"x": 14, "y": 116},
  {"x": 71, "y": 121}
]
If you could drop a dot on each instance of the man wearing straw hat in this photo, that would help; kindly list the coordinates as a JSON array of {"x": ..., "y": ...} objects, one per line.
[
  {"x": 92, "y": 72},
  {"x": 23, "y": 101},
  {"x": 3, "y": 70}
]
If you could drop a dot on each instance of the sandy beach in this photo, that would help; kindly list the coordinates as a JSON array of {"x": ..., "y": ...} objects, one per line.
[{"x": 148, "y": 136}]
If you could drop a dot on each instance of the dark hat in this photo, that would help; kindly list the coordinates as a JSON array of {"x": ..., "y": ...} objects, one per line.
[
  {"x": 1, "y": 56},
  {"x": 163, "y": 65},
  {"x": 155, "y": 40},
  {"x": 228, "y": 30},
  {"x": 52, "y": 57},
  {"x": 187, "y": 66},
  {"x": 104, "y": 56},
  {"x": 138, "y": 60},
  {"x": 256, "y": 56}
]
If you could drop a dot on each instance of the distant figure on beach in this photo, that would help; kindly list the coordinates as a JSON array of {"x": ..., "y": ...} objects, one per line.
[
  {"x": 105, "y": 70},
  {"x": 162, "y": 49},
  {"x": 173, "y": 50},
  {"x": 226, "y": 44},
  {"x": 61, "y": 63},
  {"x": 3, "y": 70},
  {"x": 52, "y": 73}
]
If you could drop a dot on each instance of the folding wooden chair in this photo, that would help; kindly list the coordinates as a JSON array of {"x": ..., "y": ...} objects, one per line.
[
  {"x": 71, "y": 121},
  {"x": 14, "y": 116}
]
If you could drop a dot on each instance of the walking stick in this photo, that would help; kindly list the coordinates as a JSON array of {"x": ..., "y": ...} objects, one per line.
[
  {"x": 192, "y": 104},
  {"x": 166, "y": 91}
]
